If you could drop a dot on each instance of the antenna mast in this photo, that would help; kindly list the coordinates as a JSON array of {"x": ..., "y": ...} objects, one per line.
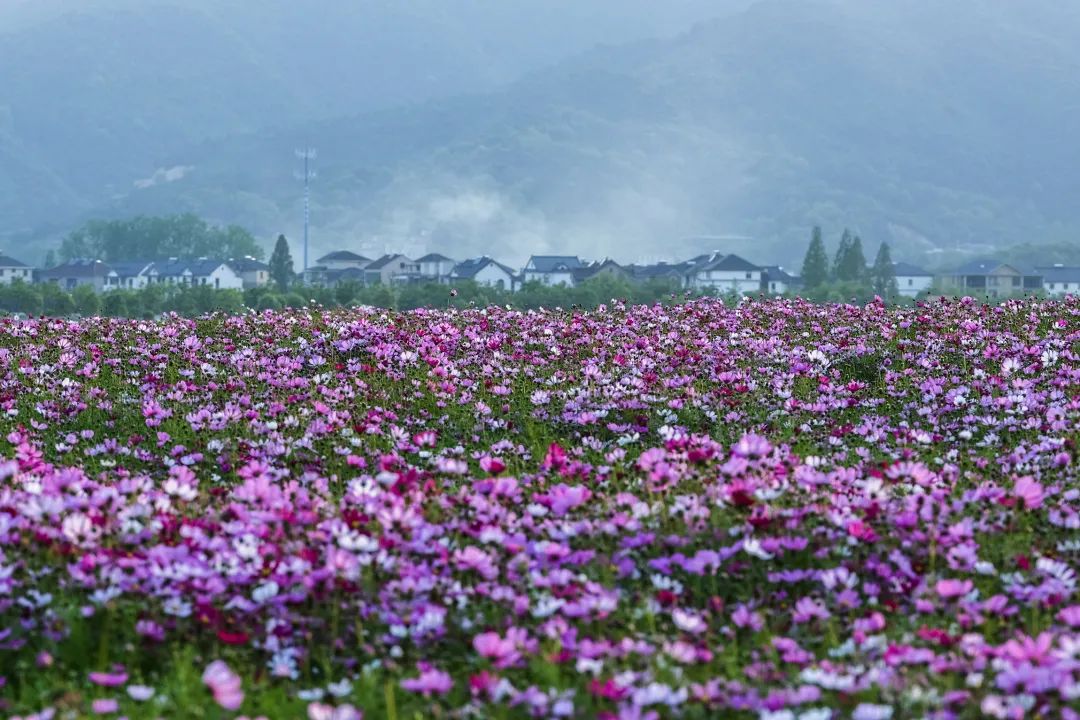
[{"x": 307, "y": 155}]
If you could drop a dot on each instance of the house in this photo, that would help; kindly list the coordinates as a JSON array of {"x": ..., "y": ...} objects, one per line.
[
  {"x": 74, "y": 273},
  {"x": 991, "y": 278},
  {"x": 342, "y": 259},
  {"x": 604, "y": 268},
  {"x": 1060, "y": 279},
  {"x": 392, "y": 268},
  {"x": 12, "y": 270},
  {"x": 777, "y": 281},
  {"x": 912, "y": 280},
  {"x": 436, "y": 267},
  {"x": 210, "y": 273},
  {"x": 725, "y": 273},
  {"x": 551, "y": 269},
  {"x": 659, "y": 272},
  {"x": 252, "y": 272},
  {"x": 133, "y": 275},
  {"x": 485, "y": 271},
  {"x": 327, "y": 271}
]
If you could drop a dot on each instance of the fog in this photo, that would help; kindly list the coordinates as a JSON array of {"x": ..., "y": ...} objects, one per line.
[{"x": 621, "y": 128}]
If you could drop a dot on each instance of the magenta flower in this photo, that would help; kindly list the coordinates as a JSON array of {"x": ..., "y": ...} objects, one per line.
[
  {"x": 113, "y": 679},
  {"x": 430, "y": 681},
  {"x": 321, "y": 711},
  {"x": 1030, "y": 491},
  {"x": 952, "y": 588},
  {"x": 104, "y": 706},
  {"x": 224, "y": 684}
]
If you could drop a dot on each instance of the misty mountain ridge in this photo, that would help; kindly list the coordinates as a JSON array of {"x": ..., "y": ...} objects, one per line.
[{"x": 931, "y": 127}]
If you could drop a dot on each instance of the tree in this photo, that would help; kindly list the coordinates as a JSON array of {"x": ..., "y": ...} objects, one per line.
[
  {"x": 281, "y": 264},
  {"x": 883, "y": 274},
  {"x": 50, "y": 258},
  {"x": 87, "y": 302},
  {"x": 841, "y": 258},
  {"x": 182, "y": 236},
  {"x": 20, "y": 297},
  {"x": 55, "y": 301},
  {"x": 849, "y": 265},
  {"x": 114, "y": 304},
  {"x": 815, "y": 269}
]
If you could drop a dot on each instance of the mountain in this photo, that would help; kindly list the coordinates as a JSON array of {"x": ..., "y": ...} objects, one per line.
[
  {"x": 96, "y": 92},
  {"x": 935, "y": 126}
]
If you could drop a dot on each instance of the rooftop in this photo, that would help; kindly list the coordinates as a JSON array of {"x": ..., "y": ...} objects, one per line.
[
  {"x": 903, "y": 269},
  {"x": 342, "y": 256},
  {"x": 467, "y": 269},
  {"x": 8, "y": 261},
  {"x": 553, "y": 263}
]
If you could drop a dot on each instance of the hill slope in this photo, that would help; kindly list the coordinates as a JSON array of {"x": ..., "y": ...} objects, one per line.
[
  {"x": 96, "y": 92},
  {"x": 932, "y": 125}
]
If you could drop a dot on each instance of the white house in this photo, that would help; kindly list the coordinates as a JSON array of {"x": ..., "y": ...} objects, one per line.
[
  {"x": 331, "y": 268},
  {"x": 392, "y": 268},
  {"x": 128, "y": 275},
  {"x": 12, "y": 270},
  {"x": 434, "y": 266},
  {"x": 252, "y": 272},
  {"x": 211, "y": 273},
  {"x": 77, "y": 272},
  {"x": 912, "y": 280},
  {"x": 485, "y": 271},
  {"x": 551, "y": 269},
  {"x": 777, "y": 281},
  {"x": 725, "y": 273},
  {"x": 1060, "y": 279}
]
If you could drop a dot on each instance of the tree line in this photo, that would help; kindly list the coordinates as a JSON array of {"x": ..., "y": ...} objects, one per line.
[
  {"x": 184, "y": 236},
  {"x": 153, "y": 300},
  {"x": 848, "y": 275}
]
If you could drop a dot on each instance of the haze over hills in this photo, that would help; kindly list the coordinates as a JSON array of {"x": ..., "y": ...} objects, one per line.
[{"x": 931, "y": 125}]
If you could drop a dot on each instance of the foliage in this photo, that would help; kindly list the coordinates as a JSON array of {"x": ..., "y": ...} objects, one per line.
[
  {"x": 20, "y": 297},
  {"x": 815, "y": 269},
  {"x": 281, "y": 264},
  {"x": 883, "y": 274},
  {"x": 156, "y": 238}
]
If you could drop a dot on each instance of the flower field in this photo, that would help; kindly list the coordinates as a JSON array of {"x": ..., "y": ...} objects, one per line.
[{"x": 775, "y": 510}]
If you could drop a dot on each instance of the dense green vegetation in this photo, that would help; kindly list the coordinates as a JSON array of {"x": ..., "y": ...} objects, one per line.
[
  {"x": 149, "y": 238},
  {"x": 48, "y": 299}
]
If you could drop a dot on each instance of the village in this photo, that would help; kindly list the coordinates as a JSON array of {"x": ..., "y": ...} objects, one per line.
[{"x": 715, "y": 272}]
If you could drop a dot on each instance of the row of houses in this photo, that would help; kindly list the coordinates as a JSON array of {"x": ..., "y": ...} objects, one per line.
[
  {"x": 716, "y": 270},
  {"x": 233, "y": 274},
  {"x": 710, "y": 271}
]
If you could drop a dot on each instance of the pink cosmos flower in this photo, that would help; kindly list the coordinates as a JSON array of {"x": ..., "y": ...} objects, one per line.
[
  {"x": 430, "y": 682},
  {"x": 140, "y": 693},
  {"x": 952, "y": 588},
  {"x": 1030, "y": 491},
  {"x": 224, "y": 684},
  {"x": 1070, "y": 616},
  {"x": 104, "y": 706},
  {"x": 491, "y": 645},
  {"x": 320, "y": 711},
  {"x": 113, "y": 679}
]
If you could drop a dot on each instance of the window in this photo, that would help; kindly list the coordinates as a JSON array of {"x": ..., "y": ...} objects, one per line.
[
  {"x": 1050, "y": 286},
  {"x": 749, "y": 276},
  {"x": 910, "y": 282},
  {"x": 1016, "y": 282},
  {"x": 1, "y": 272}
]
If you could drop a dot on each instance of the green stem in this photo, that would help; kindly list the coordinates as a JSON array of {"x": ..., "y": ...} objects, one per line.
[{"x": 391, "y": 703}]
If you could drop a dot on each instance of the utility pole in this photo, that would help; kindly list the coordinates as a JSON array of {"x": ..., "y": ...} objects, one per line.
[{"x": 307, "y": 155}]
